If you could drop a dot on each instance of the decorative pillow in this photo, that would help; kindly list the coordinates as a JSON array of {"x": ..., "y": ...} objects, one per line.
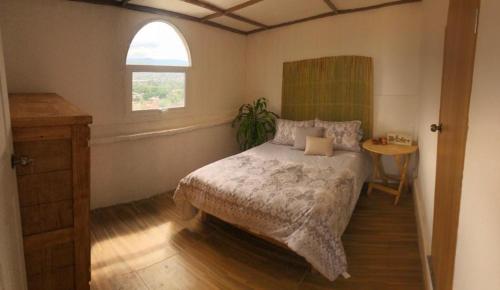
[
  {"x": 301, "y": 134},
  {"x": 319, "y": 146},
  {"x": 285, "y": 130},
  {"x": 345, "y": 134}
]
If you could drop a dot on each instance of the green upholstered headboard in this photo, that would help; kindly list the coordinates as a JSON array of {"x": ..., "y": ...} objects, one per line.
[{"x": 338, "y": 88}]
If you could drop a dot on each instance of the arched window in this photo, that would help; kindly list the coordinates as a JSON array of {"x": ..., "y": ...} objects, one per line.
[{"x": 157, "y": 63}]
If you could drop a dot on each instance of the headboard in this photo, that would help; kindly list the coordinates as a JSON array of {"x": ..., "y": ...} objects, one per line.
[{"x": 338, "y": 88}]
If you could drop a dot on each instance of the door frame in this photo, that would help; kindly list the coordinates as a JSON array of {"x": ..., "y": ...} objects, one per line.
[{"x": 17, "y": 274}]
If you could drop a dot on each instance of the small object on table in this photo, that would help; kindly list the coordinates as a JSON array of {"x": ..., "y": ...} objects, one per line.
[
  {"x": 383, "y": 140},
  {"x": 401, "y": 155},
  {"x": 399, "y": 139}
]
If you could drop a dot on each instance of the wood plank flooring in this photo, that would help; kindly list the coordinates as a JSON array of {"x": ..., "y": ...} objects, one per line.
[{"x": 145, "y": 245}]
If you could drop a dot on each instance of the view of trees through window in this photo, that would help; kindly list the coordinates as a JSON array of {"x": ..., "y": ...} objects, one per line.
[{"x": 158, "y": 90}]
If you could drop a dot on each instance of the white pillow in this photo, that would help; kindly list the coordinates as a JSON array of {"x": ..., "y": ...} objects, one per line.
[
  {"x": 319, "y": 146},
  {"x": 285, "y": 130},
  {"x": 345, "y": 134},
  {"x": 301, "y": 134}
]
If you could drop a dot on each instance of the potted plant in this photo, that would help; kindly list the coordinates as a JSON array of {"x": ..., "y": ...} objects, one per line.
[{"x": 255, "y": 124}]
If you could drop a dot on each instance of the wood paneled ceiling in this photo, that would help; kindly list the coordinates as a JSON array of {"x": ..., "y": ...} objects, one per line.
[{"x": 250, "y": 16}]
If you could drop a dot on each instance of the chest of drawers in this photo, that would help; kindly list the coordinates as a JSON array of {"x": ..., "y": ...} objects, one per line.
[{"x": 51, "y": 144}]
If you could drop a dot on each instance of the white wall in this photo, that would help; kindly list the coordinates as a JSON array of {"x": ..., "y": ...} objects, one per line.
[
  {"x": 391, "y": 36},
  {"x": 477, "y": 263},
  {"x": 78, "y": 51},
  {"x": 132, "y": 170},
  {"x": 435, "y": 14}
]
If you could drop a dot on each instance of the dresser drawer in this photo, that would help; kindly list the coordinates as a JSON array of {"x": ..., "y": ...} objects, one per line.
[
  {"x": 51, "y": 267},
  {"x": 47, "y": 156},
  {"x": 43, "y": 188},
  {"x": 55, "y": 279},
  {"x": 47, "y": 217}
]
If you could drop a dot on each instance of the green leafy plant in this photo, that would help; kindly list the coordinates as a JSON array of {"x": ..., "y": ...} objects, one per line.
[{"x": 255, "y": 124}]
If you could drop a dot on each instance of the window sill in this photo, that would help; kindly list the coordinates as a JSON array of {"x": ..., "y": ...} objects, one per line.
[{"x": 159, "y": 133}]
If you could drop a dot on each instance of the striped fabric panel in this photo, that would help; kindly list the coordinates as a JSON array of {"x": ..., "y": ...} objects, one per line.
[{"x": 338, "y": 88}]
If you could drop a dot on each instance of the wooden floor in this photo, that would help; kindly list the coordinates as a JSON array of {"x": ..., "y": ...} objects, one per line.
[{"x": 145, "y": 245}]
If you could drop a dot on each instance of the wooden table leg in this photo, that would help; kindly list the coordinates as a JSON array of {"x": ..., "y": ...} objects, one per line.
[
  {"x": 403, "y": 170},
  {"x": 370, "y": 188},
  {"x": 381, "y": 170},
  {"x": 378, "y": 171},
  {"x": 375, "y": 172},
  {"x": 403, "y": 163}
]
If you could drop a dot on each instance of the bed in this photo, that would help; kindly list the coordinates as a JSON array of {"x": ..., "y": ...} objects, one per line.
[
  {"x": 304, "y": 202},
  {"x": 274, "y": 191}
]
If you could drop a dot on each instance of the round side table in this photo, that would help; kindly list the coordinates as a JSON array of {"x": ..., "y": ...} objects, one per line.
[{"x": 401, "y": 155}]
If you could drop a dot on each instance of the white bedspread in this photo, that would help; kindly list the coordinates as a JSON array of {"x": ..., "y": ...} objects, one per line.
[{"x": 302, "y": 201}]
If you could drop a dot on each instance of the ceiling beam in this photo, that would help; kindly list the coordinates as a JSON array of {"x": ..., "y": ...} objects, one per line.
[
  {"x": 331, "y": 5},
  {"x": 219, "y": 10},
  {"x": 338, "y": 12},
  {"x": 181, "y": 16},
  {"x": 232, "y": 9},
  {"x": 161, "y": 12},
  {"x": 102, "y": 2}
]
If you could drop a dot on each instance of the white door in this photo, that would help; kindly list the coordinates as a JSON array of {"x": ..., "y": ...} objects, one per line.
[{"x": 12, "y": 273}]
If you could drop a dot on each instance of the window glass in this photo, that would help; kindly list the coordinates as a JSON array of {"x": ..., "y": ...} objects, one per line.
[
  {"x": 157, "y": 66},
  {"x": 159, "y": 44},
  {"x": 158, "y": 90}
]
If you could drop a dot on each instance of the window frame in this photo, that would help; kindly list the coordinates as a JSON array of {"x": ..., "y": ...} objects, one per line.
[{"x": 130, "y": 69}]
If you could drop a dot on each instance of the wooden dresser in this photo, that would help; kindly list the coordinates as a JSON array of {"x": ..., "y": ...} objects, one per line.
[{"x": 51, "y": 145}]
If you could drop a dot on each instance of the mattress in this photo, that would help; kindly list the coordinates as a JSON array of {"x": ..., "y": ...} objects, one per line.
[{"x": 303, "y": 201}]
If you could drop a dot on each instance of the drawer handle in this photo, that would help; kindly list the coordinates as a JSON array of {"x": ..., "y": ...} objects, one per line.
[{"x": 16, "y": 160}]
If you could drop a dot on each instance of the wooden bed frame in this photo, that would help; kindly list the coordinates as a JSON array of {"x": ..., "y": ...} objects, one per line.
[{"x": 205, "y": 217}]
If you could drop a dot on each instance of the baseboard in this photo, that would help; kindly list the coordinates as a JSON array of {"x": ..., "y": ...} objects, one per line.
[{"x": 426, "y": 271}]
